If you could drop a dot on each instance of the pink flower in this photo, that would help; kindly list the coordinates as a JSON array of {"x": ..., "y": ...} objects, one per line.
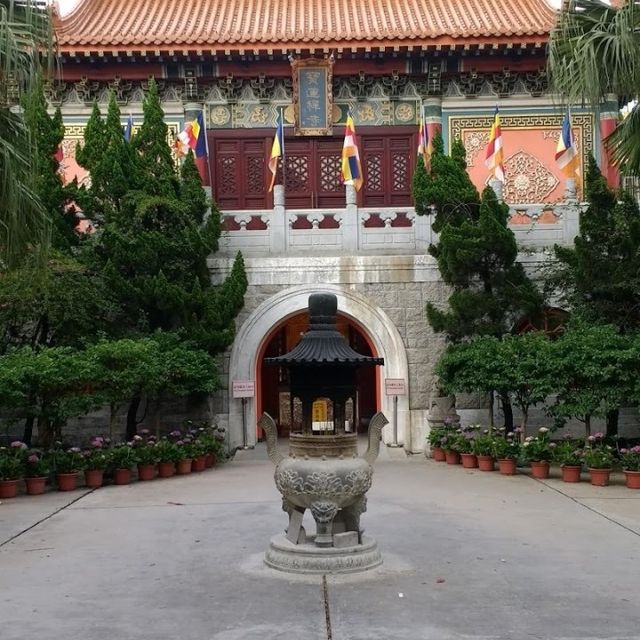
[
  {"x": 16, "y": 444},
  {"x": 599, "y": 435},
  {"x": 137, "y": 438},
  {"x": 33, "y": 459},
  {"x": 591, "y": 438}
]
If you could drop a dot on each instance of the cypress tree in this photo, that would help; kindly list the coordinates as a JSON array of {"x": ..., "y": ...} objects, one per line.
[
  {"x": 47, "y": 133},
  {"x": 476, "y": 255},
  {"x": 158, "y": 232}
]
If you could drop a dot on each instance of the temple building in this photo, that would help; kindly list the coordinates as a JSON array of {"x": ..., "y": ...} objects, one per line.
[{"x": 244, "y": 64}]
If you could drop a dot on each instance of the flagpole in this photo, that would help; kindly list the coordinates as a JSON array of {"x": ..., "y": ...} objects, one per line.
[
  {"x": 206, "y": 147},
  {"x": 284, "y": 163}
]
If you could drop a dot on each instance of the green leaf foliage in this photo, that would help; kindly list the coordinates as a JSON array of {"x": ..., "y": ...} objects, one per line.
[
  {"x": 491, "y": 291},
  {"x": 447, "y": 191},
  {"x": 599, "y": 278}
]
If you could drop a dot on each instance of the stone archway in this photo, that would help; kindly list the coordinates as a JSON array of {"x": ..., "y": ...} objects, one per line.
[{"x": 373, "y": 320}]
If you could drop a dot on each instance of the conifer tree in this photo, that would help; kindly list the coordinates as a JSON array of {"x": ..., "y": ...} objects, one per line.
[
  {"x": 157, "y": 235},
  {"x": 47, "y": 133},
  {"x": 446, "y": 191},
  {"x": 476, "y": 256},
  {"x": 600, "y": 275}
]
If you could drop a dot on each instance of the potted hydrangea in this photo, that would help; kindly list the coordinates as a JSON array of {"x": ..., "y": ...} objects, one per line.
[
  {"x": 121, "y": 458},
  {"x": 598, "y": 457},
  {"x": 483, "y": 447},
  {"x": 144, "y": 446},
  {"x": 96, "y": 460},
  {"x": 537, "y": 451},
  {"x": 167, "y": 453},
  {"x": 506, "y": 450},
  {"x": 36, "y": 472},
  {"x": 436, "y": 444},
  {"x": 569, "y": 454},
  {"x": 630, "y": 459},
  {"x": 66, "y": 464},
  {"x": 12, "y": 460}
]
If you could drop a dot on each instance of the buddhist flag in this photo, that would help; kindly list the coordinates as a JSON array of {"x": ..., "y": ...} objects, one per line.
[
  {"x": 277, "y": 150},
  {"x": 424, "y": 144},
  {"x": 201, "y": 147},
  {"x": 495, "y": 157},
  {"x": 566, "y": 151},
  {"x": 351, "y": 168},
  {"x": 128, "y": 128},
  {"x": 187, "y": 138}
]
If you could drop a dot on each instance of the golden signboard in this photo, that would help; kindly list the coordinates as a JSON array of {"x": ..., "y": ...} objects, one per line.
[
  {"x": 320, "y": 411},
  {"x": 313, "y": 96}
]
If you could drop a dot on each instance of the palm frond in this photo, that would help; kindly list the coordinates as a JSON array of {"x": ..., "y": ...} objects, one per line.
[
  {"x": 624, "y": 143},
  {"x": 25, "y": 47},
  {"x": 595, "y": 50}
]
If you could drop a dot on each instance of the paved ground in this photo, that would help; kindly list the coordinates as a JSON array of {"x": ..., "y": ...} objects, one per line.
[{"x": 468, "y": 555}]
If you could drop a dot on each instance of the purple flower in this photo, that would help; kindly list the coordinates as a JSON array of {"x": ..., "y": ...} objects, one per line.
[
  {"x": 599, "y": 435},
  {"x": 16, "y": 444},
  {"x": 137, "y": 438},
  {"x": 180, "y": 443},
  {"x": 33, "y": 459}
]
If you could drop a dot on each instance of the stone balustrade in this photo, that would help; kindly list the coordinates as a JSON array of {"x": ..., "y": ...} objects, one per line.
[{"x": 374, "y": 230}]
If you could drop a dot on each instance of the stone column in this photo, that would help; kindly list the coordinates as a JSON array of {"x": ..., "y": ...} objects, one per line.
[
  {"x": 497, "y": 186},
  {"x": 570, "y": 190},
  {"x": 433, "y": 115},
  {"x": 608, "y": 115},
  {"x": 191, "y": 112},
  {"x": 350, "y": 223},
  {"x": 278, "y": 225}
]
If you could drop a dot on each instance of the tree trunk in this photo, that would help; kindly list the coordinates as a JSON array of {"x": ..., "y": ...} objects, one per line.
[
  {"x": 45, "y": 432},
  {"x": 112, "y": 419},
  {"x": 587, "y": 425},
  {"x": 132, "y": 417},
  {"x": 27, "y": 434},
  {"x": 612, "y": 422},
  {"x": 507, "y": 409},
  {"x": 491, "y": 402}
]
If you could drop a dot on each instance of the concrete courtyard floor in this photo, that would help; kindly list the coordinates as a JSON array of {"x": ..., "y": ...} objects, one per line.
[{"x": 467, "y": 555}]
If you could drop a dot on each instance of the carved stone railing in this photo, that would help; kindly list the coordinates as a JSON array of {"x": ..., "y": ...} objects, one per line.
[{"x": 374, "y": 230}]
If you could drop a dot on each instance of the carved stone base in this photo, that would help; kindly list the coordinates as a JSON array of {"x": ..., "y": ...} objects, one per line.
[{"x": 310, "y": 559}]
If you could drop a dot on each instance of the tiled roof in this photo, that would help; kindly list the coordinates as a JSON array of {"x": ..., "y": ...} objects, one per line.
[{"x": 247, "y": 25}]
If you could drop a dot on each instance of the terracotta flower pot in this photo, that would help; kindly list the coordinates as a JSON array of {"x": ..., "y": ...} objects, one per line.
[
  {"x": 540, "y": 470},
  {"x": 632, "y": 479},
  {"x": 166, "y": 469},
  {"x": 35, "y": 486},
  {"x": 438, "y": 454},
  {"x": 8, "y": 488},
  {"x": 67, "y": 481},
  {"x": 183, "y": 466},
  {"x": 198, "y": 464},
  {"x": 146, "y": 472},
  {"x": 599, "y": 477},
  {"x": 209, "y": 460},
  {"x": 93, "y": 478},
  {"x": 122, "y": 476},
  {"x": 469, "y": 460},
  {"x": 570, "y": 473},
  {"x": 486, "y": 463},
  {"x": 452, "y": 457},
  {"x": 507, "y": 466}
]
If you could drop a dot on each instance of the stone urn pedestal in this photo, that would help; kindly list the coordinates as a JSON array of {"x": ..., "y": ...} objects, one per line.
[{"x": 323, "y": 474}]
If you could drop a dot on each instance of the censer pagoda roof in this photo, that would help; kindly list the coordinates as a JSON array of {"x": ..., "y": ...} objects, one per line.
[
  {"x": 253, "y": 26},
  {"x": 322, "y": 343}
]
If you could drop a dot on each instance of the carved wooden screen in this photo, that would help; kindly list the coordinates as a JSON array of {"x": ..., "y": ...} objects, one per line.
[
  {"x": 387, "y": 165},
  {"x": 240, "y": 174}
]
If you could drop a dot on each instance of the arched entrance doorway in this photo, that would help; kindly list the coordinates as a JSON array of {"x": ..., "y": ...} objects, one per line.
[
  {"x": 256, "y": 331},
  {"x": 272, "y": 384}
]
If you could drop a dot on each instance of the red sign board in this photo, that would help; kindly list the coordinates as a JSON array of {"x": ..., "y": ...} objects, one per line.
[
  {"x": 244, "y": 388},
  {"x": 395, "y": 387}
]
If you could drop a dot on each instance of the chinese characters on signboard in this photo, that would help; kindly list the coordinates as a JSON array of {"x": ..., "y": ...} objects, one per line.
[{"x": 312, "y": 96}]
